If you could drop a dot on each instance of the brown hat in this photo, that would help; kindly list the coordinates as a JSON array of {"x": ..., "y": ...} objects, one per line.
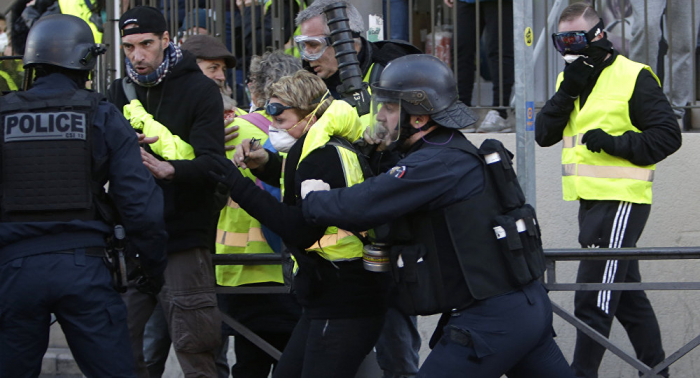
[{"x": 207, "y": 47}]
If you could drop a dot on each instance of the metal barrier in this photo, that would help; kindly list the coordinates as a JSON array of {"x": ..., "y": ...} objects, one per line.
[
  {"x": 554, "y": 255},
  {"x": 250, "y": 259}
]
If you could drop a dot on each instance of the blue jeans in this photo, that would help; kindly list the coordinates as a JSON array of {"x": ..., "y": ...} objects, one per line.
[
  {"x": 398, "y": 21},
  {"x": 398, "y": 345}
]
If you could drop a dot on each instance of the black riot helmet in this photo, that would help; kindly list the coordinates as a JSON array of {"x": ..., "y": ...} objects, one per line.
[
  {"x": 64, "y": 41},
  {"x": 423, "y": 85}
]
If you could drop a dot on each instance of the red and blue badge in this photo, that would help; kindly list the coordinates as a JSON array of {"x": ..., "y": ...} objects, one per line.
[{"x": 397, "y": 171}]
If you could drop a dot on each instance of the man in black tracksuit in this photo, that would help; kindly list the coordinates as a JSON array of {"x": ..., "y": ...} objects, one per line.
[
  {"x": 615, "y": 123},
  {"x": 173, "y": 91}
]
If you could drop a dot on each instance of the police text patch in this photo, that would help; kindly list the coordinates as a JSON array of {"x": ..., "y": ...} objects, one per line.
[
  {"x": 397, "y": 171},
  {"x": 44, "y": 126}
]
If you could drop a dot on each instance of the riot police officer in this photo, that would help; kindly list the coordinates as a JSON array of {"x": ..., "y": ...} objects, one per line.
[
  {"x": 60, "y": 144},
  {"x": 463, "y": 241}
]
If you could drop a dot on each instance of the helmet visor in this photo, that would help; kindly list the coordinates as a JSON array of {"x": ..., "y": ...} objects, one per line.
[
  {"x": 311, "y": 48},
  {"x": 385, "y": 115}
]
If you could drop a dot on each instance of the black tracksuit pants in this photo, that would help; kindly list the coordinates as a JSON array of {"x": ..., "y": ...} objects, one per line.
[{"x": 613, "y": 224}]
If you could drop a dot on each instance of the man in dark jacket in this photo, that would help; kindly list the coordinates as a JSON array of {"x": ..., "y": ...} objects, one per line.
[
  {"x": 167, "y": 87},
  {"x": 55, "y": 215},
  {"x": 445, "y": 255}
]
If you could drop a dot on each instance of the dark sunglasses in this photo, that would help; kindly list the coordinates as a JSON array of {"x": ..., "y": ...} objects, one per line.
[
  {"x": 576, "y": 41},
  {"x": 275, "y": 108}
]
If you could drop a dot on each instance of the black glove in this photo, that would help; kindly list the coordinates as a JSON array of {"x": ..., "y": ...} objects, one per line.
[
  {"x": 150, "y": 285},
  {"x": 224, "y": 171},
  {"x": 596, "y": 140},
  {"x": 576, "y": 76}
]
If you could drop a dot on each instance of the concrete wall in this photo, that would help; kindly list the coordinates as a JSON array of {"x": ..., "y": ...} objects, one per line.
[{"x": 672, "y": 223}]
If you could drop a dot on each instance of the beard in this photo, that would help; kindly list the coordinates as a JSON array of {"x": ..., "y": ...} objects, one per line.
[{"x": 225, "y": 90}]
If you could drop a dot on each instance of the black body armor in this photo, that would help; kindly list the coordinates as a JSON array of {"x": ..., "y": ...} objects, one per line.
[{"x": 46, "y": 159}]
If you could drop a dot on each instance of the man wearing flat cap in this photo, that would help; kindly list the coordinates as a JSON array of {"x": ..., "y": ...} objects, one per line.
[
  {"x": 213, "y": 58},
  {"x": 165, "y": 88}
]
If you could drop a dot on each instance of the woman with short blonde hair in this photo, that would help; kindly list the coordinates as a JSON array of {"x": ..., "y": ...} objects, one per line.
[{"x": 344, "y": 304}]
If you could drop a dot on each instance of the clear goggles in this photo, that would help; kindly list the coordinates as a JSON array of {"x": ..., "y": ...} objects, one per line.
[
  {"x": 311, "y": 48},
  {"x": 572, "y": 42},
  {"x": 385, "y": 119}
]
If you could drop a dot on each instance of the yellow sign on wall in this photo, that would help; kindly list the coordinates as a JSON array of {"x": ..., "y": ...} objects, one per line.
[{"x": 528, "y": 36}]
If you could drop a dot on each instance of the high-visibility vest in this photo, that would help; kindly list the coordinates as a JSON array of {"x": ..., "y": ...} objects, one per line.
[
  {"x": 79, "y": 8},
  {"x": 600, "y": 176},
  {"x": 238, "y": 232},
  {"x": 341, "y": 120}
]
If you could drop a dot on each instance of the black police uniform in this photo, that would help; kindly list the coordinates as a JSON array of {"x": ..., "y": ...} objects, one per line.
[
  {"x": 498, "y": 326},
  {"x": 51, "y": 249}
]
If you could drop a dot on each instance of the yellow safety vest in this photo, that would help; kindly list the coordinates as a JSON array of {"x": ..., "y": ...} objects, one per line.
[
  {"x": 238, "y": 232},
  {"x": 8, "y": 80},
  {"x": 79, "y": 9},
  {"x": 290, "y": 47},
  {"x": 600, "y": 176},
  {"x": 340, "y": 119}
]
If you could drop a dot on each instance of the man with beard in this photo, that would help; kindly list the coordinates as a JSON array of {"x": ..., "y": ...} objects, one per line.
[
  {"x": 171, "y": 90},
  {"x": 615, "y": 124}
]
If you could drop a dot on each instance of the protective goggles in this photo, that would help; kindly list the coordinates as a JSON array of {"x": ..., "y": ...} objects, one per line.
[
  {"x": 311, "y": 48},
  {"x": 275, "y": 108},
  {"x": 576, "y": 41}
]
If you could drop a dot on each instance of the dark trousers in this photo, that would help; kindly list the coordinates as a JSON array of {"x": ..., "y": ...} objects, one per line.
[
  {"x": 398, "y": 345},
  {"x": 253, "y": 362},
  {"x": 613, "y": 224},
  {"x": 467, "y": 42},
  {"x": 189, "y": 304},
  {"x": 328, "y": 348},
  {"x": 508, "y": 334},
  {"x": 78, "y": 290}
]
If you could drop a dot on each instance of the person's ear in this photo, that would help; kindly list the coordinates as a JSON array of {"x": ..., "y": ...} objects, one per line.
[
  {"x": 166, "y": 39},
  {"x": 419, "y": 120}
]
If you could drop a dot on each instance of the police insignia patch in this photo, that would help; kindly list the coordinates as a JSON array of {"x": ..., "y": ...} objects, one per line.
[{"x": 397, "y": 171}]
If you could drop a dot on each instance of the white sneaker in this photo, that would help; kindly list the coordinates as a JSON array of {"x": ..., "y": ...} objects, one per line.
[{"x": 494, "y": 123}]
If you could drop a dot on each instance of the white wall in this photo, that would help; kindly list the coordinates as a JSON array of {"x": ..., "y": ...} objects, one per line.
[{"x": 672, "y": 223}]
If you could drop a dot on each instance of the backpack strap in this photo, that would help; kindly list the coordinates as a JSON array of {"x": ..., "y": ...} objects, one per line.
[{"x": 258, "y": 120}]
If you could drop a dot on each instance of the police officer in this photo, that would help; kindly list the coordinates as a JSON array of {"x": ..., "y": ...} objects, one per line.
[
  {"x": 60, "y": 144},
  {"x": 446, "y": 255}
]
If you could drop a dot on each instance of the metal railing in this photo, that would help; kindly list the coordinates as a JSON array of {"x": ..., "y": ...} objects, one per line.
[
  {"x": 554, "y": 255},
  {"x": 250, "y": 259},
  {"x": 550, "y": 281}
]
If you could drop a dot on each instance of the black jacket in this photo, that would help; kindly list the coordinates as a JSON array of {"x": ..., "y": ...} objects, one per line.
[
  {"x": 343, "y": 289},
  {"x": 189, "y": 105},
  {"x": 649, "y": 111}
]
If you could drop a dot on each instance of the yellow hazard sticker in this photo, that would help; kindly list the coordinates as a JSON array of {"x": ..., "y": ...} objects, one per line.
[{"x": 528, "y": 36}]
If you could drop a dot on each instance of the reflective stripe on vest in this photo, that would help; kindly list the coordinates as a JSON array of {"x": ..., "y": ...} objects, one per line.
[
  {"x": 8, "y": 79},
  {"x": 240, "y": 239},
  {"x": 238, "y": 232},
  {"x": 336, "y": 244},
  {"x": 600, "y": 176}
]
